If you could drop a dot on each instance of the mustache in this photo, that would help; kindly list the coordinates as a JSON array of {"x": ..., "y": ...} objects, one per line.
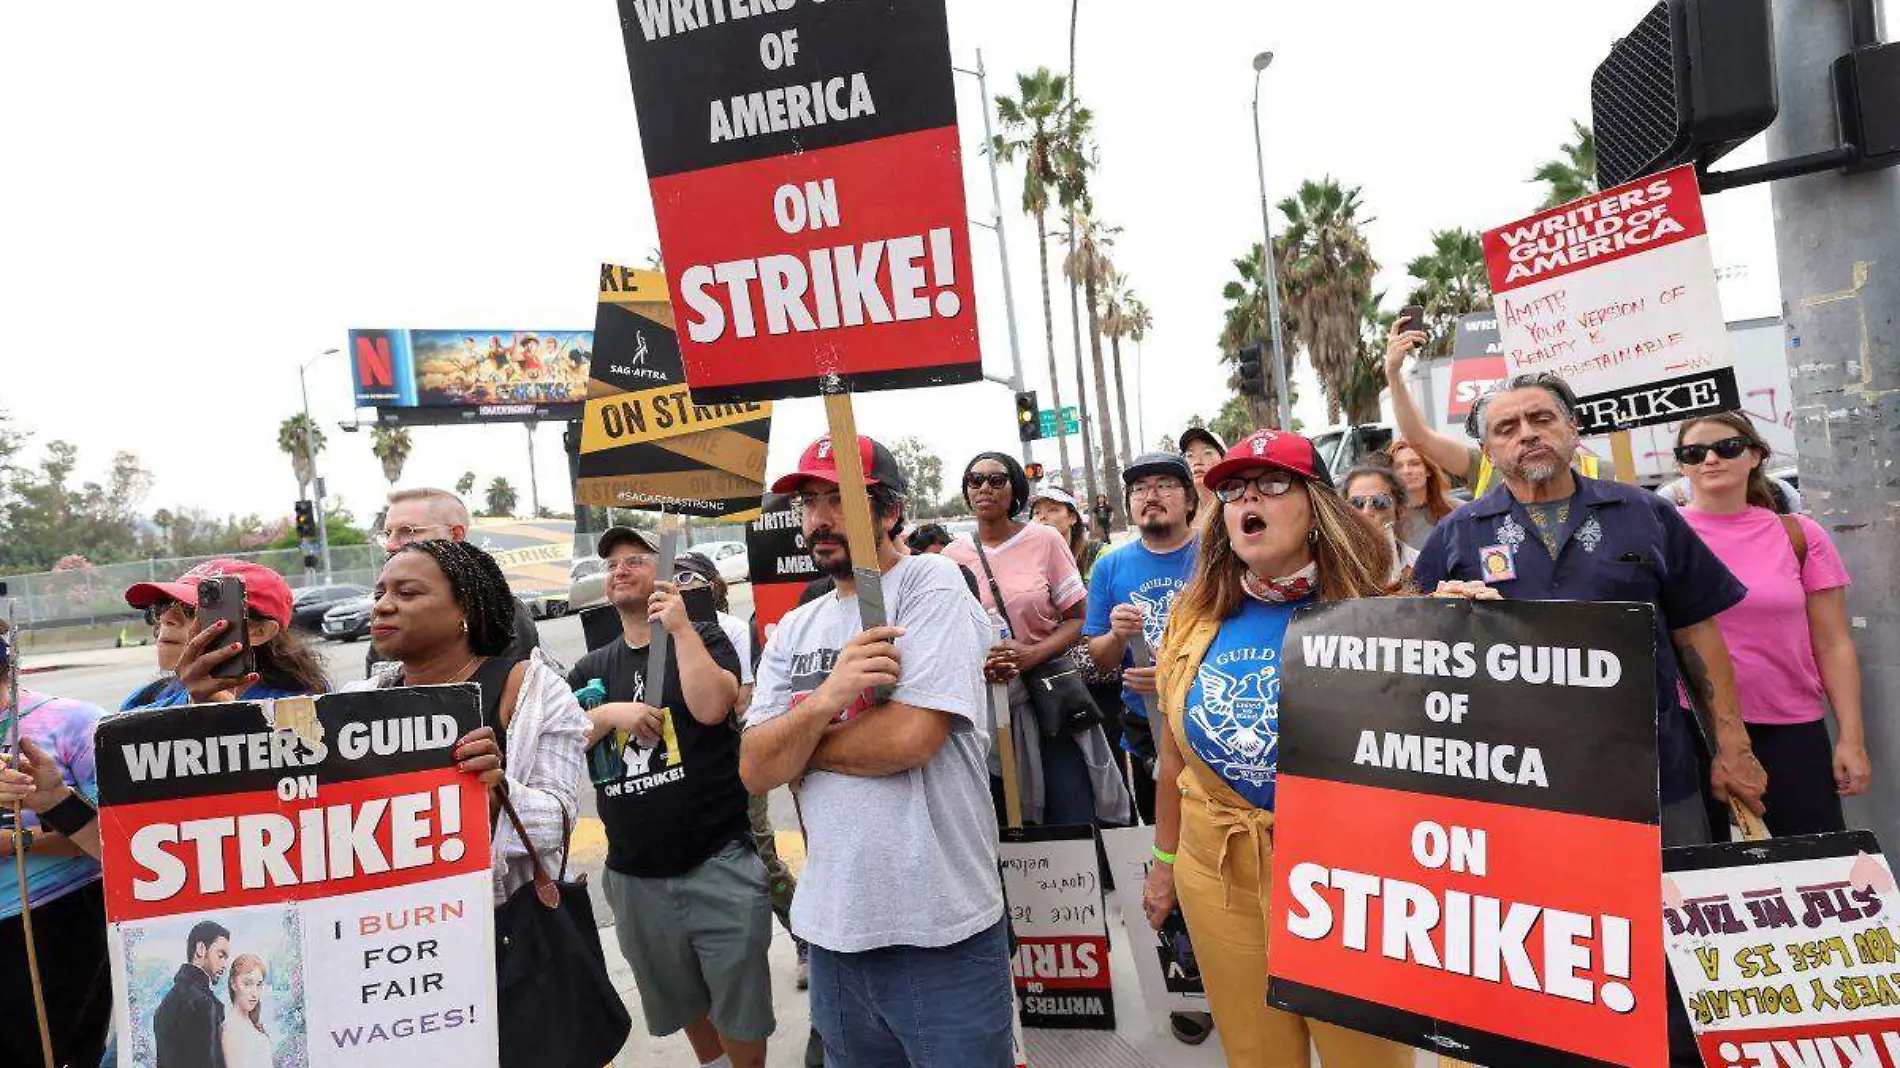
[{"x": 824, "y": 536}]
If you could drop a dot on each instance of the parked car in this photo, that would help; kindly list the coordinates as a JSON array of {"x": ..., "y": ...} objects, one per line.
[
  {"x": 309, "y": 606},
  {"x": 587, "y": 583},
  {"x": 348, "y": 621},
  {"x": 545, "y": 604},
  {"x": 729, "y": 557}
]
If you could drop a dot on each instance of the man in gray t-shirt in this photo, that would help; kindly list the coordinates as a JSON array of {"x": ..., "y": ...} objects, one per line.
[{"x": 900, "y": 890}]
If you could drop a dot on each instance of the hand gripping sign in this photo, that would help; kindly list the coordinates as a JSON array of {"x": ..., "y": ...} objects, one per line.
[
  {"x": 807, "y": 183},
  {"x": 1466, "y": 845}
]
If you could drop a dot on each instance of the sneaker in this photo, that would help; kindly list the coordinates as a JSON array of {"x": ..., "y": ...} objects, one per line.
[
  {"x": 804, "y": 963},
  {"x": 814, "y": 1051},
  {"x": 1191, "y": 1028}
]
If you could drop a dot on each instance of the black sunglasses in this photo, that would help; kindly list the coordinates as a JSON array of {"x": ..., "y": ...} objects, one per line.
[
  {"x": 994, "y": 480},
  {"x": 1378, "y": 502},
  {"x": 1727, "y": 449}
]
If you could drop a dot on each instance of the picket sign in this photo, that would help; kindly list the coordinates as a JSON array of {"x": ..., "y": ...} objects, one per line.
[{"x": 658, "y": 641}]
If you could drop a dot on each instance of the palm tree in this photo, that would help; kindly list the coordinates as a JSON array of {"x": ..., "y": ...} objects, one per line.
[
  {"x": 1244, "y": 323},
  {"x": 1366, "y": 380},
  {"x": 1327, "y": 271},
  {"x": 1116, "y": 313},
  {"x": 164, "y": 520},
  {"x": 1087, "y": 265},
  {"x": 1575, "y": 174},
  {"x": 502, "y": 497},
  {"x": 1451, "y": 281},
  {"x": 291, "y": 435},
  {"x": 1033, "y": 126},
  {"x": 1140, "y": 321},
  {"x": 465, "y": 485},
  {"x": 392, "y": 446}
]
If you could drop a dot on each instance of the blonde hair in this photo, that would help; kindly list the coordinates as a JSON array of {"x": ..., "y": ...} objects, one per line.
[
  {"x": 247, "y": 962},
  {"x": 451, "y": 509},
  {"x": 1353, "y": 562}
]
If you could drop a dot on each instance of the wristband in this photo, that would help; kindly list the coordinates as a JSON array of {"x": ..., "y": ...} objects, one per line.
[
  {"x": 1165, "y": 858},
  {"x": 70, "y": 816}
]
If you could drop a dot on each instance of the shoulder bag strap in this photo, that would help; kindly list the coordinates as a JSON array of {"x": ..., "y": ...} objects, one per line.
[
  {"x": 996, "y": 591},
  {"x": 1798, "y": 538},
  {"x": 544, "y": 888}
]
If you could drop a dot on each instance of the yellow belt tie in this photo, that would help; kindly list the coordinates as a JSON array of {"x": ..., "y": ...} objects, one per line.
[{"x": 1251, "y": 823}]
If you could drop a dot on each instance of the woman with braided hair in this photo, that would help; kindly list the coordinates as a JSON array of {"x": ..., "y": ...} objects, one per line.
[{"x": 444, "y": 614}]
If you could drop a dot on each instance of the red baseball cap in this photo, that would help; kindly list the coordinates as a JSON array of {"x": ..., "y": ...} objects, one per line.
[
  {"x": 265, "y": 591},
  {"x": 1279, "y": 449},
  {"x": 820, "y": 462}
]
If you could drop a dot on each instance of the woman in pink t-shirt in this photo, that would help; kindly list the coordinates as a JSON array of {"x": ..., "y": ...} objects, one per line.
[
  {"x": 1788, "y": 638},
  {"x": 1067, "y": 775}
]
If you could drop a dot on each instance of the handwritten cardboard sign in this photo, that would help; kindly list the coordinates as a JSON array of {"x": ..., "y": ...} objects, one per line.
[
  {"x": 1165, "y": 964},
  {"x": 1052, "y": 880},
  {"x": 1784, "y": 950},
  {"x": 1616, "y": 294}
]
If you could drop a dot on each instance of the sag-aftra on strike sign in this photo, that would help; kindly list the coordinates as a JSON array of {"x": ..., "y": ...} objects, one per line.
[{"x": 807, "y": 184}]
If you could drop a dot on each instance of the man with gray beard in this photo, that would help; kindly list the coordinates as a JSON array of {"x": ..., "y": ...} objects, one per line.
[{"x": 1548, "y": 533}]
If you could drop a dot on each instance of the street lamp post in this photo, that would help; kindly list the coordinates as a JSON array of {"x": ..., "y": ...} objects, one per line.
[
  {"x": 995, "y": 225},
  {"x": 310, "y": 460},
  {"x": 1280, "y": 368}
]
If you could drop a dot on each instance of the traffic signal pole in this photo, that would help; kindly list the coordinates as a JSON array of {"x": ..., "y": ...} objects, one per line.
[
  {"x": 1837, "y": 242},
  {"x": 996, "y": 224},
  {"x": 310, "y": 459}
]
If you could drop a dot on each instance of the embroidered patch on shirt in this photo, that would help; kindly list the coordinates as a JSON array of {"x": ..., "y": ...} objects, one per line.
[
  {"x": 1590, "y": 535},
  {"x": 1510, "y": 534},
  {"x": 1498, "y": 563}
]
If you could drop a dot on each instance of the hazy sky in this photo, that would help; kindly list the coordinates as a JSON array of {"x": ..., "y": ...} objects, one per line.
[{"x": 204, "y": 195}]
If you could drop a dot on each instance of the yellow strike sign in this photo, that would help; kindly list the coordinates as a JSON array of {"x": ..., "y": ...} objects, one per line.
[{"x": 653, "y": 414}]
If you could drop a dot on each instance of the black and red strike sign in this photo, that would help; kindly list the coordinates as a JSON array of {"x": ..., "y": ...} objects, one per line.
[
  {"x": 808, "y": 187},
  {"x": 778, "y": 563},
  {"x": 1466, "y": 852}
]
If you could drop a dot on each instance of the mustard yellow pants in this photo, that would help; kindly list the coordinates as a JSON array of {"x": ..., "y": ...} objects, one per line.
[{"x": 1226, "y": 916}]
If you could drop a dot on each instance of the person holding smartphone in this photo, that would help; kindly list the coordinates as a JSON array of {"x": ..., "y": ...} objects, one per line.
[
  {"x": 206, "y": 666},
  {"x": 690, "y": 897}
]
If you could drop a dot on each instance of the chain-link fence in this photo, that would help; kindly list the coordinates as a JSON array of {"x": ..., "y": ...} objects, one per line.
[{"x": 96, "y": 594}]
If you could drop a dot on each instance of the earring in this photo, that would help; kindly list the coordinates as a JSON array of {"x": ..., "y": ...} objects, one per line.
[
  {"x": 465, "y": 626},
  {"x": 1312, "y": 536}
]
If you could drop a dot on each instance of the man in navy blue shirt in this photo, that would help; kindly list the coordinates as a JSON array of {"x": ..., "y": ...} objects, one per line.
[{"x": 1549, "y": 534}]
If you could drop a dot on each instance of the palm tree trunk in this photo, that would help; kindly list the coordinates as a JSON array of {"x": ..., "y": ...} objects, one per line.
[
  {"x": 1111, "y": 475},
  {"x": 1049, "y": 336},
  {"x": 1121, "y": 402},
  {"x": 1081, "y": 378}
]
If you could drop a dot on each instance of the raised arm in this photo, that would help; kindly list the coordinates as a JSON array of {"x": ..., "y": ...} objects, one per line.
[
  {"x": 710, "y": 688},
  {"x": 1449, "y": 453}
]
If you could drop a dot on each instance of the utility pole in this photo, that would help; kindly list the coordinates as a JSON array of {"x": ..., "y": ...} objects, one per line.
[
  {"x": 310, "y": 460},
  {"x": 1002, "y": 247},
  {"x": 1075, "y": 312},
  {"x": 534, "y": 477},
  {"x": 1281, "y": 372},
  {"x": 1837, "y": 240}
]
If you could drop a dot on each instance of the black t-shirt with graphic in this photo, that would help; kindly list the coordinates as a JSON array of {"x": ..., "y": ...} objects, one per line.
[{"x": 679, "y": 801}]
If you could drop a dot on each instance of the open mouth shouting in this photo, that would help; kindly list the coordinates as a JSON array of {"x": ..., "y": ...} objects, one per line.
[{"x": 1252, "y": 524}]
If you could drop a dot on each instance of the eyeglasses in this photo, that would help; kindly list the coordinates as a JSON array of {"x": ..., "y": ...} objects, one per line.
[
  {"x": 1156, "y": 489},
  {"x": 994, "y": 480},
  {"x": 1271, "y": 484},
  {"x": 630, "y": 564},
  {"x": 159, "y": 610},
  {"x": 392, "y": 537},
  {"x": 689, "y": 578},
  {"x": 805, "y": 502},
  {"x": 1378, "y": 502},
  {"x": 1727, "y": 449}
]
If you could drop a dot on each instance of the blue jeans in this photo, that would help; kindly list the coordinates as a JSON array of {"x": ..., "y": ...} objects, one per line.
[{"x": 911, "y": 1007}]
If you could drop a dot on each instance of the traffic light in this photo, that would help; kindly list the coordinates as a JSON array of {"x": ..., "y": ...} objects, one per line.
[
  {"x": 1693, "y": 79},
  {"x": 1034, "y": 471},
  {"x": 1250, "y": 371},
  {"x": 1028, "y": 421},
  {"x": 306, "y": 519}
]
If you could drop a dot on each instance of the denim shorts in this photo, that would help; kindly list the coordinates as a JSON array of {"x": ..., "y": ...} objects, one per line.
[{"x": 945, "y": 1007}]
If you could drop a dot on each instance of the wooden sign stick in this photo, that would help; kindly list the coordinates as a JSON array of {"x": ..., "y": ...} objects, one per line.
[
  {"x": 659, "y": 642},
  {"x": 1006, "y": 757},
  {"x": 1623, "y": 456},
  {"x": 860, "y": 535}
]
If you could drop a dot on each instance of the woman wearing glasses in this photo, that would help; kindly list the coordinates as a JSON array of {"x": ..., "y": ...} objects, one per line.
[
  {"x": 1067, "y": 772},
  {"x": 1281, "y": 539},
  {"x": 1378, "y": 495},
  {"x": 285, "y": 666},
  {"x": 1788, "y": 637}
]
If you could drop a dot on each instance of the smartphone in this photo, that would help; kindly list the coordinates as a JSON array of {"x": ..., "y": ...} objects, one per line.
[
  {"x": 1412, "y": 317},
  {"x": 699, "y": 603},
  {"x": 223, "y": 598}
]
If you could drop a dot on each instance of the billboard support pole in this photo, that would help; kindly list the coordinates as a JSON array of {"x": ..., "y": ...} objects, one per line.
[
  {"x": 310, "y": 458},
  {"x": 534, "y": 479}
]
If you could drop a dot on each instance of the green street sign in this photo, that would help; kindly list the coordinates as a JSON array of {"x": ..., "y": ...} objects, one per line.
[{"x": 1046, "y": 419}]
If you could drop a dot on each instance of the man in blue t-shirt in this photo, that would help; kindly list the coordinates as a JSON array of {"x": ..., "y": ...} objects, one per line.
[{"x": 1131, "y": 590}]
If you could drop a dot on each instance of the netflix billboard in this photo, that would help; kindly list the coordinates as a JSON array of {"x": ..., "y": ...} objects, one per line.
[
  {"x": 808, "y": 187},
  {"x": 430, "y": 377},
  {"x": 1492, "y": 896}
]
